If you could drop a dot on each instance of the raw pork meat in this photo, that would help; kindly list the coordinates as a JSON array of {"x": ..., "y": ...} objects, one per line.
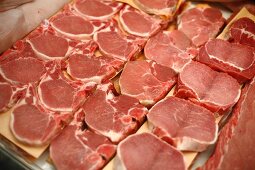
[
  {"x": 23, "y": 70},
  {"x": 47, "y": 45},
  {"x": 113, "y": 116},
  {"x": 172, "y": 49},
  {"x": 74, "y": 26},
  {"x": 146, "y": 151},
  {"x": 243, "y": 31},
  {"x": 158, "y": 7},
  {"x": 9, "y": 95},
  {"x": 146, "y": 80},
  {"x": 183, "y": 124},
  {"x": 21, "y": 49},
  {"x": 97, "y": 9},
  {"x": 58, "y": 93},
  {"x": 91, "y": 68},
  {"x": 235, "y": 146},
  {"x": 216, "y": 91},
  {"x": 138, "y": 23},
  {"x": 20, "y": 65},
  {"x": 32, "y": 124},
  {"x": 114, "y": 44},
  {"x": 235, "y": 59},
  {"x": 201, "y": 24},
  {"x": 78, "y": 148}
]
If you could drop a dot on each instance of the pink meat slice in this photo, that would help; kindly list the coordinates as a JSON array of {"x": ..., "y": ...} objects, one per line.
[
  {"x": 183, "y": 124},
  {"x": 23, "y": 70},
  {"x": 104, "y": 9},
  {"x": 243, "y": 31},
  {"x": 48, "y": 46},
  {"x": 113, "y": 116},
  {"x": 214, "y": 90},
  {"x": 172, "y": 49},
  {"x": 83, "y": 148},
  {"x": 57, "y": 93},
  {"x": 9, "y": 95},
  {"x": 235, "y": 59},
  {"x": 91, "y": 68},
  {"x": 201, "y": 24},
  {"x": 157, "y": 7},
  {"x": 21, "y": 49},
  {"x": 114, "y": 44},
  {"x": 74, "y": 26},
  {"x": 32, "y": 124},
  {"x": 146, "y": 80},
  {"x": 146, "y": 151},
  {"x": 235, "y": 144},
  {"x": 138, "y": 23}
]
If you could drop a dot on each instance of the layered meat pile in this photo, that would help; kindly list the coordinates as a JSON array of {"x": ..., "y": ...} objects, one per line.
[{"x": 86, "y": 80}]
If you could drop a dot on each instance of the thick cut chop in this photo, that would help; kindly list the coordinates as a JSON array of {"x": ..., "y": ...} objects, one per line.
[
  {"x": 145, "y": 151},
  {"x": 146, "y": 80},
  {"x": 23, "y": 70},
  {"x": 183, "y": 124},
  {"x": 20, "y": 65},
  {"x": 33, "y": 124},
  {"x": 79, "y": 148},
  {"x": 57, "y": 93},
  {"x": 201, "y": 24},
  {"x": 97, "y": 9},
  {"x": 214, "y": 90},
  {"x": 157, "y": 7},
  {"x": 89, "y": 68},
  {"x": 243, "y": 31},
  {"x": 113, "y": 43},
  {"x": 47, "y": 45},
  {"x": 234, "y": 149},
  {"x": 113, "y": 116},
  {"x": 74, "y": 26},
  {"x": 235, "y": 59},
  {"x": 172, "y": 49},
  {"x": 138, "y": 23}
]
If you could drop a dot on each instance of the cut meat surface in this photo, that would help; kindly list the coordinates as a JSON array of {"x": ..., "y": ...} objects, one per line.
[
  {"x": 157, "y": 7},
  {"x": 138, "y": 23},
  {"x": 146, "y": 151},
  {"x": 21, "y": 49},
  {"x": 82, "y": 148},
  {"x": 183, "y": 124},
  {"x": 57, "y": 93},
  {"x": 91, "y": 68},
  {"x": 235, "y": 59},
  {"x": 235, "y": 144},
  {"x": 146, "y": 80},
  {"x": 20, "y": 65},
  {"x": 23, "y": 70},
  {"x": 172, "y": 49},
  {"x": 47, "y": 45},
  {"x": 32, "y": 124},
  {"x": 201, "y": 24},
  {"x": 243, "y": 31},
  {"x": 9, "y": 95},
  {"x": 216, "y": 91},
  {"x": 105, "y": 9},
  {"x": 113, "y": 116},
  {"x": 74, "y": 26},
  {"x": 114, "y": 44}
]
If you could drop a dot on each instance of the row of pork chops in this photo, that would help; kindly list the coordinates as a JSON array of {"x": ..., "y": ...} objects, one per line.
[{"x": 59, "y": 92}]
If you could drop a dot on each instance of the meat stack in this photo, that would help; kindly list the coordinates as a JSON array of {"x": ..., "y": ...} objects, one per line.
[{"x": 60, "y": 83}]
